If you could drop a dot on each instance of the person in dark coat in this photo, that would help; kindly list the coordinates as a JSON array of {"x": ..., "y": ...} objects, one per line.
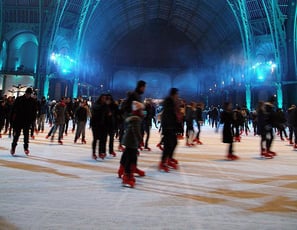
[
  {"x": 147, "y": 122},
  {"x": 281, "y": 123},
  {"x": 81, "y": 115},
  {"x": 42, "y": 109},
  {"x": 291, "y": 119},
  {"x": 111, "y": 122},
  {"x": 99, "y": 126},
  {"x": 126, "y": 112},
  {"x": 169, "y": 122},
  {"x": 227, "y": 118},
  {"x": 265, "y": 128},
  {"x": 134, "y": 96},
  {"x": 199, "y": 121},
  {"x": 2, "y": 115},
  {"x": 23, "y": 115}
]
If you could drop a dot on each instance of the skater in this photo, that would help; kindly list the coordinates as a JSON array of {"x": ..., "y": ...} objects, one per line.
[
  {"x": 265, "y": 128},
  {"x": 127, "y": 110},
  {"x": 99, "y": 127},
  {"x": 59, "y": 112},
  {"x": 131, "y": 140},
  {"x": 170, "y": 121},
  {"x": 199, "y": 122},
  {"x": 227, "y": 118},
  {"x": 147, "y": 122},
  {"x": 189, "y": 118},
  {"x": 81, "y": 115},
  {"x": 23, "y": 116},
  {"x": 291, "y": 119}
]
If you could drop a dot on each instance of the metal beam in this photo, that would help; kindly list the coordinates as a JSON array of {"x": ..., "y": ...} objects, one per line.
[{"x": 240, "y": 12}]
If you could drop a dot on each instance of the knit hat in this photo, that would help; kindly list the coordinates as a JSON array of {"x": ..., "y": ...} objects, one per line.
[{"x": 137, "y": 106}]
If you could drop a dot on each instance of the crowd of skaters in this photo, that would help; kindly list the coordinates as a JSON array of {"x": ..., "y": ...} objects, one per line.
[{"x": 130, "y": 120}]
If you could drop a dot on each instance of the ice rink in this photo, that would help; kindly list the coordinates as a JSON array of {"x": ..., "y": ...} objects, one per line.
[{"x": 61, "y": 187}]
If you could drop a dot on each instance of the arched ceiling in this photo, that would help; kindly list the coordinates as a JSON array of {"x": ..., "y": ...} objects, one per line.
[{"x": 209, "y": 25}]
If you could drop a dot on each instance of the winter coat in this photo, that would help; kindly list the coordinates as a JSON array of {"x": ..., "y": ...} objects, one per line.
[
  {"x": 132, "y": 136},
  {"x": 98, "y": 118},
  {"x": 169, "y": 119},
  {"x": 266, "y": 119},
  {"x": 227, "y": 119},
  {"x": 150, "y": 113},
  {"x": 59, "y": 113},
  {"x": 24, "y": 111},
  {"x": 292, "y": 117},
  {"x": 82, "y": 114}
]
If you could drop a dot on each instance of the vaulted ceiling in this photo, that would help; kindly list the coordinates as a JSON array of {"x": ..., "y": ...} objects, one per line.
[{"x": 210, "y": 26}]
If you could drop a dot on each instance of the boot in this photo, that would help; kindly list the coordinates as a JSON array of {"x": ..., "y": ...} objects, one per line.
[
  {"x": 265, "y": 154},
  {"x": 198, "y": 141},
  {"x": 113, "y": 154},
  {"x": 271, "y": 153},
  {"x": 27, "y": 152},
  {"x": 295, "y": 146},
  {"x": 171, "y": 164},
  {"x": 232, "y": 157},
  {"x": 139, "y": 172},
  {"x": 128, "y": 180},
  {"x": 160, "y": 146},
  {"x": 83, "y": 141},
  {"x": 163, "y": 167},
  {"x": 121, "y": 171},
  {"x": 174, "y": 160},
  {"x": 12, "y": 150},
  {"x": 102, "y": 155},
  {"x": 94, "y": 156}
]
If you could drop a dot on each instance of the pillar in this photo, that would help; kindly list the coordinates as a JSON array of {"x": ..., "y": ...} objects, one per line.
[
  {"x": 75, "y": 88},
  {"x": 248, "y": 96},
  {"x": 46, "y": 86},
  {"x": 279, "y": 95}
]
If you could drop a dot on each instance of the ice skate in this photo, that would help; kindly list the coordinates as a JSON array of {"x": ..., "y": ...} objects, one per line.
[
  {"x": 147, "y": 148},
  {"x": 174, "y": 160},
  {"x": 163, "y": 167},
  {"x": 271, "y": 153},
  {"x": 27, "y": 152},
  {"x": 139, "y": 172},
  {"x": 121, "y": 171},
  {"x": 102, "y": 155},
  {"x": 232, "y": 157},
  {"x": 171, "y": 164},
  {"x": 160, "y": 146},
  {"x": 94, "y": 156},
  {"x": 128, "y": 180}
]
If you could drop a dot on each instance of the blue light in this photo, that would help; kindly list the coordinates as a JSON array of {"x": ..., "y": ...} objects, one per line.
[
  {"x": 64, "y": 63},
  {"x": 263, "y": 70}
]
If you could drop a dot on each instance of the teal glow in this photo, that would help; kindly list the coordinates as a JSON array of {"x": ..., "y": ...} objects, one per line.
[
  {"x": 64, "y": 63},
  {"x": 75, "y": 88},
  {"x": 263, "y": 70},
  {"x": 248, "y": 96},
  {"x": 46, "y": 87},
  {"x": 279, "y": 95}
]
